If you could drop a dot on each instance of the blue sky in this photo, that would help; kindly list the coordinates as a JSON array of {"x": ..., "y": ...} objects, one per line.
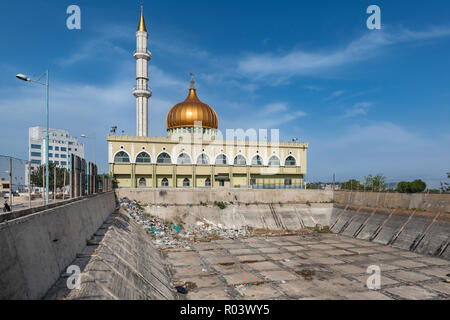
[{"x": 367, "y": 101}]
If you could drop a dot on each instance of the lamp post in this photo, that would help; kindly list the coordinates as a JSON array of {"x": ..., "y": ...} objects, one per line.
[
  {"x": 92, "y": 136},
  {"x": 84, "y": 136},
  {"x": 46, "y": 84}
]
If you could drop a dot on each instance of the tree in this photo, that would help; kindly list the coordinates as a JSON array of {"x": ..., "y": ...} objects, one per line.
[
  {"x": 403, "y": 187},
  {"x": 416, "y": 186},
  {"x": 37, "y": 178},
  {"x": 375, "y": 183},
  {"x": 352, "y": 184}
]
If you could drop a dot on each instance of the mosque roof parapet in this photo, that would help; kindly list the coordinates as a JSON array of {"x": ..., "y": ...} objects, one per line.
[{"x": 122, "y": 138}]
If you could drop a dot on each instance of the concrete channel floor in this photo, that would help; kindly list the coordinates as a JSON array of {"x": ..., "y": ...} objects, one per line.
[{"x": 307, "y": 266}]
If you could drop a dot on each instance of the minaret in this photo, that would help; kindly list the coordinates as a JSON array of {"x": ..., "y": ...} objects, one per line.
[{"x": 142, "y": 92}]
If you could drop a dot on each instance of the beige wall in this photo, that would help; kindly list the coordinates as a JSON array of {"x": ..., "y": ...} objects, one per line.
[
  {"x": 128, "y": 175},
  {"x": 243, "y": 196},
  {"x": 156, "y": 145},
  {"x": 420, "y": 201}
]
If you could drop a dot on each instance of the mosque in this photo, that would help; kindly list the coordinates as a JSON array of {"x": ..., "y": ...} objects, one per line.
[{"x": 194, "y": 154}]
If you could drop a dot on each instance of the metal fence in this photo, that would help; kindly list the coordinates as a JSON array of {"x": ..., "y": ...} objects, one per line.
[{"x": 19, "y": 188}]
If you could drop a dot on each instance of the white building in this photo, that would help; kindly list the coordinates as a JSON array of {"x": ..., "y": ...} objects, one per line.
[{"x": 61, "y": 145}]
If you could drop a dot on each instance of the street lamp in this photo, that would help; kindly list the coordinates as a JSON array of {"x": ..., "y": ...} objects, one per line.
[
  {"x": 46, "y": 84},
  {"x": 93, "y": 136}
]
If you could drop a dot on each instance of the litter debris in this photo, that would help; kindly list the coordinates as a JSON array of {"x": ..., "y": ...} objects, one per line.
[
  {"x": 181, "y": 290},
  {"x": 190, "y": 286},
  {"x": 306, "y": 273},
  {"x": 182, "y": 233}
]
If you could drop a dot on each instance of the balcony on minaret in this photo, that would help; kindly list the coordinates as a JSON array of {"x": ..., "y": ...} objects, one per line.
[
  {"x": 142, "y": 91},
  {"x": 142, "y": 54}
]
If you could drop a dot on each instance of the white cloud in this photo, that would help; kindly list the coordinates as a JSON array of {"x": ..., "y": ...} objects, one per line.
[
  {"x": 302, "y": 62},
  {"x": 380, "y": 147},
  {"x": 274, "y": 108},
  {"x": 337, "y": 93},
  {"x": 358, "y": 109},
  {"x": 313, "y": 88},
  {"x": 271, "y": 116},
  {"x": 80, "y": 108}
]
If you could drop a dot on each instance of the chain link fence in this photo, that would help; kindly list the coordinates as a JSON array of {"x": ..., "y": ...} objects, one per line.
[{"x": 23, "y": 182}]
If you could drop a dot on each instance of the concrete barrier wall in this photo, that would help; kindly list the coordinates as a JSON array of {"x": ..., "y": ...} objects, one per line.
[
  {"x": 195, "y": 196},
  {"x": 256, "y": 216},
  {"x": 420, "y": 201},
  {"x": 119, "y": 263},
  {"x": 418, "y": 231},
  {"x": 36, "y": 248}
]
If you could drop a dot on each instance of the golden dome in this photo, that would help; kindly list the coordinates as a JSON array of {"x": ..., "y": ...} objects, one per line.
[{"x": 186, "y": 113}]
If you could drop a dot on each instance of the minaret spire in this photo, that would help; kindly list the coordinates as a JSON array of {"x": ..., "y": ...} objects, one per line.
[
  {"x": 142, "y": 92},
  {"x": 142, "y": 26}
]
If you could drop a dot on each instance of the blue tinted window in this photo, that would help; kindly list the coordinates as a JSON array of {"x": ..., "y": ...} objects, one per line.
[
  {"x": 36, "y": 146},
  {"x": 35, "y": 154}
]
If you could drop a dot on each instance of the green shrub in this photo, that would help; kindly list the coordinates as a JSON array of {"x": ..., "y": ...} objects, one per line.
[
  {"x": 416, "y": 186},
  {"x": 220, "y": 204}
]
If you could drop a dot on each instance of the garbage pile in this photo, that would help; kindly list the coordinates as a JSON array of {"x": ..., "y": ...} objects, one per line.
[{"x": 167, "y": 235}]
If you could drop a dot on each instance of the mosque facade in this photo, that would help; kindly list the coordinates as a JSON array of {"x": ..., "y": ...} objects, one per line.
[{"x": 195, "y": 154}]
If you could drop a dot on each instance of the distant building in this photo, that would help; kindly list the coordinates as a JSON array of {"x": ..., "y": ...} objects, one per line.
[
  {"x": 61, "y": 145},
  {"x": 324, "y": 185}
]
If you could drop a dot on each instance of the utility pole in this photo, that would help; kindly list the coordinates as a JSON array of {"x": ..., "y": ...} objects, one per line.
[
  {"x": 43, "y": 183},
  {"x": 54, "y": 185},
  {"x": 29, "y": 184},
  {"x": 64, "y": 184},
  {"x": 70, "y": 177},
  {"x": 10, "y": 182}
]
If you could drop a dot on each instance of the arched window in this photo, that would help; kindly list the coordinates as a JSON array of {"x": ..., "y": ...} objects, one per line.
[
  {"x": 221, "y": 159},
  {"x": 186, "y": 182},
  {"x": 122, "y": 157},
  {"x": 257, "y": 161},
  {"x": 184, "y": 159},
  {"x": 164, "y": 158},
  {"x": 164, "y": 182},
  {"x": 274, "y": 161},
  {"x": 143, "y": 157},
  {"x": 203, "y": 159},
  {"x": 240, "y": 160},
  {"x": 208, "y": 182},
  {"x": 142, "y": 182},
  {"x": 290, "y": 161}
]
